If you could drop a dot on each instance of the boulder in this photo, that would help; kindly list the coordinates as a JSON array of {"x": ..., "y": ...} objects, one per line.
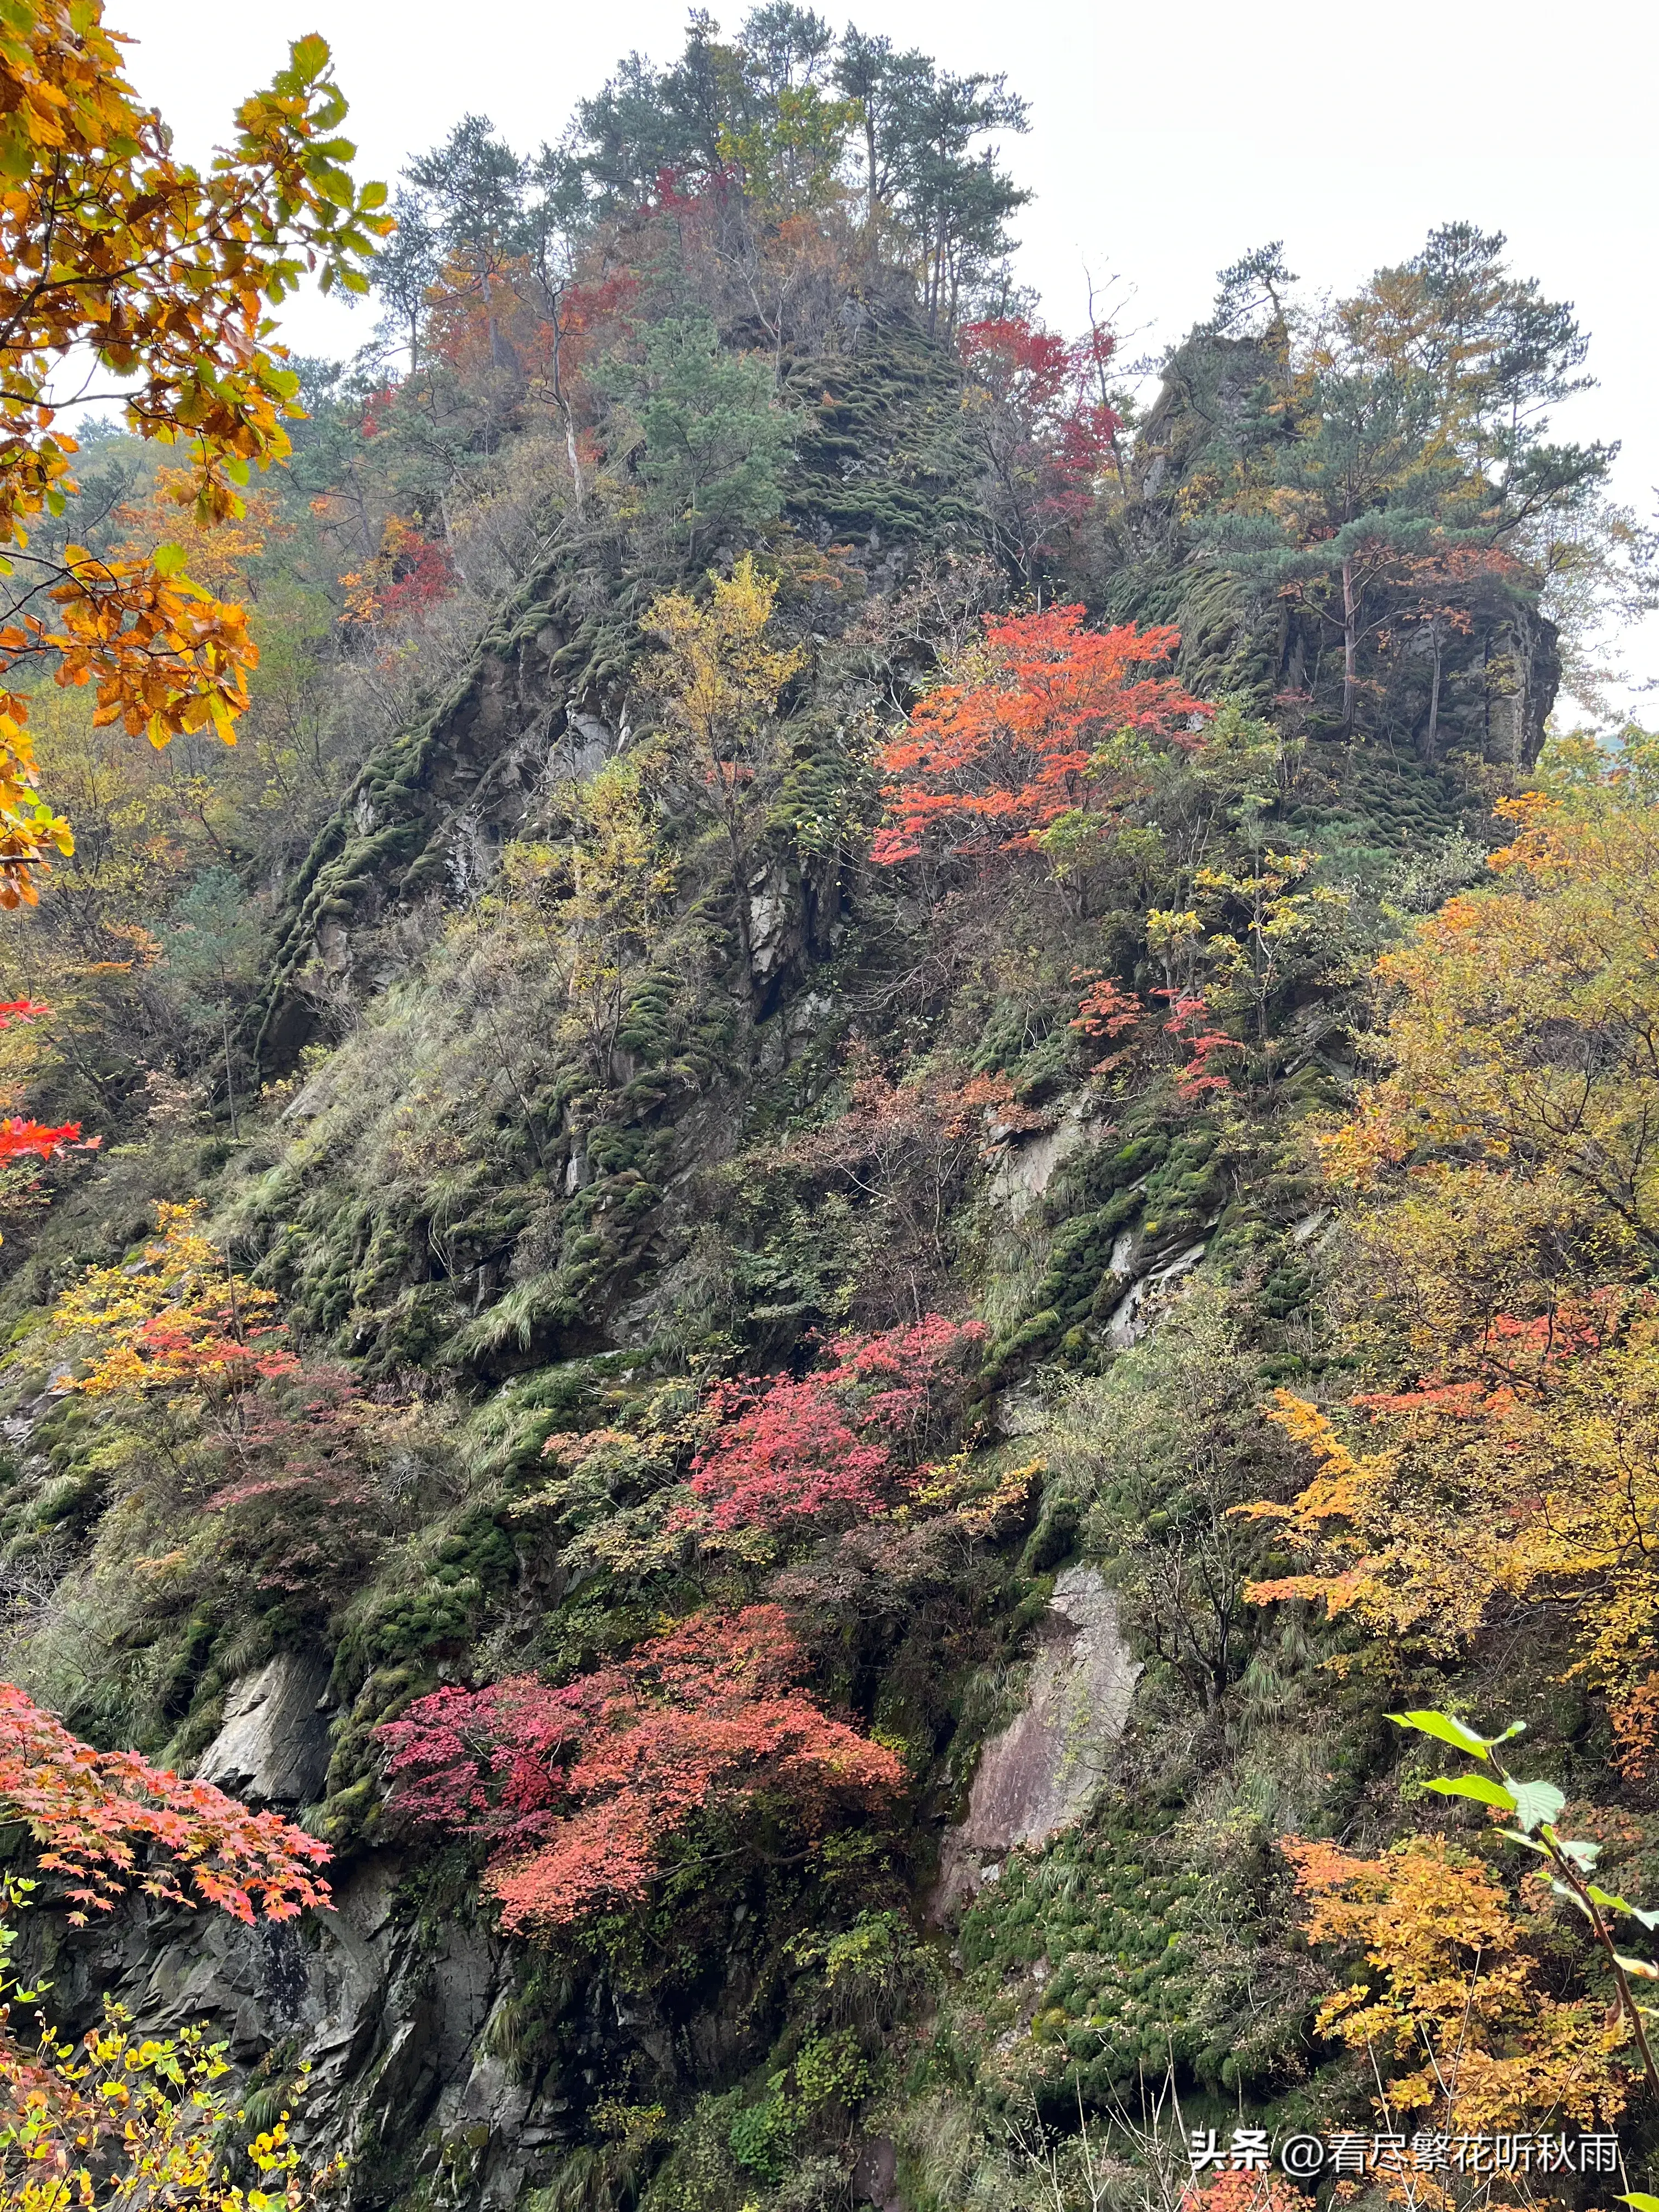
[{"x": 273, "y": 1747}]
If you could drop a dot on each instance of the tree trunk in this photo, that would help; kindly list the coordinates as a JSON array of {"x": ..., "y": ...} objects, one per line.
[
  {"x": 489, "y": 318},
  {"x": 1434, "y": 696},
  {"x": 565, "y": 417},
  {"x": 1349, "y": 649},
  {"x": 230, "y": 1086},
  {"x": 576, "y": 463},
  {"x": 745, "y": 940}
]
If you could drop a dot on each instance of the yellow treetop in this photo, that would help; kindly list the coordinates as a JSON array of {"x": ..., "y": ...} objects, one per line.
[
  {"x": 718, "y": 678},
  {"x": 715, "y": 686},
  {"x": 164, "y": 275},
  {"x": 178, "y": 1321},
  {"x": 1504, "y": 1182}
]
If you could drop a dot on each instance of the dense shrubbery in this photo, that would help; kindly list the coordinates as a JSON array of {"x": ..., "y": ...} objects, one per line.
[{"x": 578, "y": 1791}]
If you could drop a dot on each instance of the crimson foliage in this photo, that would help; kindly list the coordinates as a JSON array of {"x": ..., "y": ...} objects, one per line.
[
  {"x": 834, "y": 1448},
  {"x": 95, "y": 1812},
  {"x": 577, "y": 1791}
]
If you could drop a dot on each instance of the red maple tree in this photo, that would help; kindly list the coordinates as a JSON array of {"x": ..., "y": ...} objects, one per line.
[
  {"x": 983, "y": 767},
  {"x": 1036, "y": 410},
  {"x": 577, "y": 1791},
  {"x": 1105, "y": 1013},
  {"x": 108, "y": 1820},
  {"x": 1190, "y": 1028},
  {"x": 833, "y": 1447},
  {"x": 18, "y": 1137}
]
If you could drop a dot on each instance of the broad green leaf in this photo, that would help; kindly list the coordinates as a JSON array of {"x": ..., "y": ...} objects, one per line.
[
  {"x": 1526, "y": 1842},
  {"x": 1536, "y": 1803},
  {"x": 1645, "y": 1968},
  {"x": 1584, "y": 1855},
  {"x": 1478, "y": 1787},
  {"x": 1640, "y": 2199},
  {"x": 1621, "y": 1904},
  {"x": 1458, "y": 1733},
  {"x": 170, "y": 560}
]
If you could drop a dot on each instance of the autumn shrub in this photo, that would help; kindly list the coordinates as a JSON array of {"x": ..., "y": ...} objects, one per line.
[
  {"x": 178, "y": 1321},
  {"x": 116, "y": 2117},
  {"x": 108, "y": 1820},
  {"x": 1457, "y": 1999},
  {"x": 309, "y": 1503},
  {"x": 834, "y": 1448},
  {"x": 1043, "y": 722},
  {"x": 120, "y": 2117},
  {"x": 581, "y": 1795},
  {"x": 611, "y": 1499},
  {"x": 295, "y": 1476},
  {"x": 1238, "y": 2192},
  {"x": 22, "y": 1139}
]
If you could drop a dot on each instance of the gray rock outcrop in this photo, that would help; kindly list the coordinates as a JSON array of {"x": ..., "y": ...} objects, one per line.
[
  {"x": 273, "y": 1747},
  {"x": 1040, "y": 1773}
]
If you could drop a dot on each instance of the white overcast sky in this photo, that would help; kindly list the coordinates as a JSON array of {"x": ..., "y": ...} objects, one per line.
[{"x": 1166, "y": 140}]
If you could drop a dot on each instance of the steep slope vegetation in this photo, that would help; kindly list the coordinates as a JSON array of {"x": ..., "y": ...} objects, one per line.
[{"x": 748, "y": 1088}]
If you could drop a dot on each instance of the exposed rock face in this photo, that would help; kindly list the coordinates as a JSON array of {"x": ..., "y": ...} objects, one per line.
[
  {"x": 1027, "y": 1168},
  {"x": 1040, "y": 1774},
  {"x": 393, "y": 2014},
  {"x": 274, "y": 1745},
  {"x": 875, "y": 2176},
  {"x": 429, "y": 810},
  {"x": 1525, "y": 675},
  {"x": 392, "y": 2026},
  {"x": 1131, "y": 1317}
]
